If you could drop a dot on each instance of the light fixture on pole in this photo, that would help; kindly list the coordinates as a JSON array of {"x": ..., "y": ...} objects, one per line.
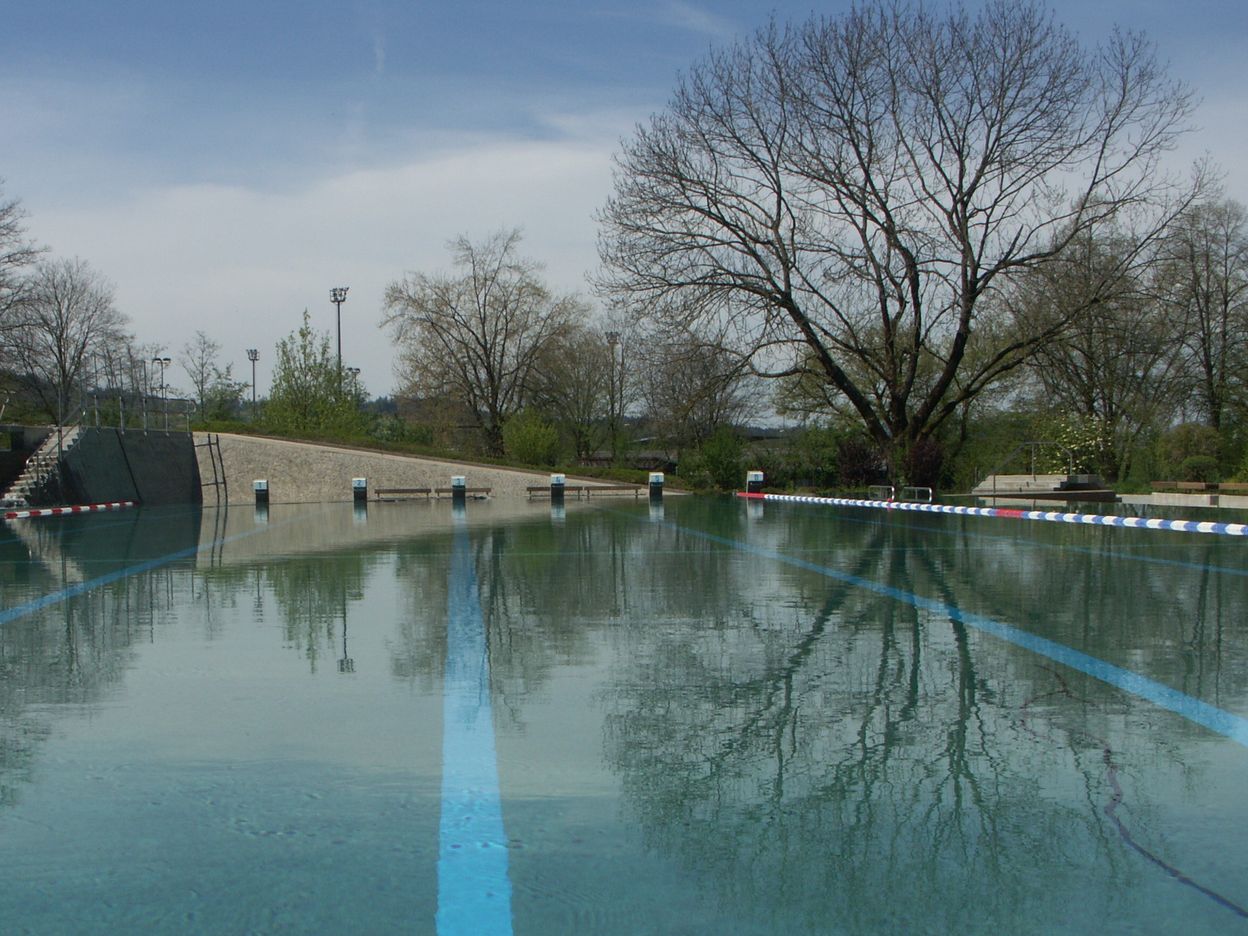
[
  {"x": 338, "y": 295},
  {"x": 164, "y": 388},
  {"x": 253, "y": 355}
]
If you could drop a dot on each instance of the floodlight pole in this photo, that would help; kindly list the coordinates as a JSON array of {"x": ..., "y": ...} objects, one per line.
[
  {"x": 613, "y": 341},
  {"x": 252, "y": 355},
  {"x": 338, "y": 295},
  {"x": 164, "y": 388}
]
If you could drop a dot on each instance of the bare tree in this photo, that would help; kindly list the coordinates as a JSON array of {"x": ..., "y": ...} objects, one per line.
[
  {"x": 847, "y": 197},
  {"x": 1117, "y": 367},
  {"x": 199, "y": 360},
  {"x": 690, "y": 388},
  {"x": 1204, "y": 280},
  {"x": 66, "y": 314},
  {"x": 16, "y": 253},
  {"x": 474, "y": 336},
  {"x": 572, "y": 383}
]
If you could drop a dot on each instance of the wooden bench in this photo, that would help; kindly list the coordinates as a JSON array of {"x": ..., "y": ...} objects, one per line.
[
  {"x": 396, "y": 493},
  {"x": 1185, "y": 487},
  {"x": 536, "y": 489},
  {"x": 1233, "y": 487},
  {"x": 587, "y": 489},
  {"x": 468, "y": 491}
]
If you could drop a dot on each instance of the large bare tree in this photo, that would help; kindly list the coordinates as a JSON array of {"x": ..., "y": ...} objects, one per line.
[
  {"x": 848, "y": 196},
  {"x": 67, "y": 314},
  {"x": 473, "y": 336}
]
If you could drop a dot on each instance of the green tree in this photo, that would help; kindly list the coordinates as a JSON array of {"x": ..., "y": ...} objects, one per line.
[{"x": 305, "y": 395}]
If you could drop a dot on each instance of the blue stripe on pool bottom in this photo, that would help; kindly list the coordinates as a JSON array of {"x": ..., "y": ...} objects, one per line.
[
  {"x": 1180, "y": 703},
  {"x": 81, "y": 588},
  {"x": 474, "y": 889}
]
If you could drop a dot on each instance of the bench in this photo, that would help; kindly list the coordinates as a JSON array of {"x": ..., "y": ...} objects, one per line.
[
  {"x": 396, "y": 493},
  {"x": 470, "y": 491},
  {"x": 1233, "y": 487},
  {"x": 1185, "y": 487},
  {"x": 587, "y": 489}
]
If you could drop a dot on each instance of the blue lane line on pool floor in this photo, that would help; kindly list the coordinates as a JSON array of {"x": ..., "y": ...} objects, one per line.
[
  {"x": 1180, "y": 703},
  {"x": 81, "y": 588},
  {"x": 474, "y": 886}
]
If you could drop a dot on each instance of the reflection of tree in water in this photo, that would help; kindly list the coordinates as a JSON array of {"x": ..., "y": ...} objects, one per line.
[
  {"x": 71, "y": 654},
  {"x": 313, "y": 594},
  {"x": 418, "y": 647},
  {"x": 866, "y": 766}
]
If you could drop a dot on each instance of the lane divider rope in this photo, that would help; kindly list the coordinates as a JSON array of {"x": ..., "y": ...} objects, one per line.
[{"x": 1051, "y": 516}]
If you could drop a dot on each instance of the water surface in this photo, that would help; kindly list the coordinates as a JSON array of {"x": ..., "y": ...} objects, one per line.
[{"x": 712, "y": 718}]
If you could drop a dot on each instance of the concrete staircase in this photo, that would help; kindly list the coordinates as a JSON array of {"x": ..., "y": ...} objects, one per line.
[
  {"x": 1018, "y": 484},
  {"x": 39, "y": 467}
]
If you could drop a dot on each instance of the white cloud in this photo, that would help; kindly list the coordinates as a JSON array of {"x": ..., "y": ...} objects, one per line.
[
  {"x": 695, "y": 19},
  {"x": 241, "y": 264}
]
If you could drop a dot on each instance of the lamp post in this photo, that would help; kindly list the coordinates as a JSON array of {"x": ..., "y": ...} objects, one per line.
[
  {"x": 338, "y": 295},
  {"x": 253, "y": 355},
  {"x": 164, "y": 388},
  {"x": 95, "y": 388},
  {"x": 613, "y": 340}
]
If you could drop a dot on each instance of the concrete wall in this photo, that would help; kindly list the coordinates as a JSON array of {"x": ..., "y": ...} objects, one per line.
[
  {"x": 300, "y": 472},
  {"x": 153, "y": 468}
]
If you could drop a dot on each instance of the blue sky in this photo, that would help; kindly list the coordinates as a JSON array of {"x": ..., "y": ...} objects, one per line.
[{"x": 225, "y": 164}]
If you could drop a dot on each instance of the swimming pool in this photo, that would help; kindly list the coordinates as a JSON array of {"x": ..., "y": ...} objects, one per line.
[{"x": 710, "y": 718}]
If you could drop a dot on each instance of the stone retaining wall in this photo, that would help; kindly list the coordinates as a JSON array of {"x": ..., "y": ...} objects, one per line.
[{"x": 301, "y": 472}]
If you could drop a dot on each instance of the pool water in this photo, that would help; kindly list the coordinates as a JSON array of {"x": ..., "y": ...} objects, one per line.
[{"x": 709, "y": 717}]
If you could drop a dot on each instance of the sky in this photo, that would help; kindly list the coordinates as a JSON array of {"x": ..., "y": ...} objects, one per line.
[{"x": 226, "y": 164}]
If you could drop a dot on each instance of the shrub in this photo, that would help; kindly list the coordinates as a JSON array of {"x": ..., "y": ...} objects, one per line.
[
  {"x": 923, "y": 463},
  {"x": 1181, "y": 444},
  {"x": 1199, "y": 468},
  {"x": 530, "y": 439},
  {"x": 722, "y": 454},
  {"x": 859, "y": 463}
]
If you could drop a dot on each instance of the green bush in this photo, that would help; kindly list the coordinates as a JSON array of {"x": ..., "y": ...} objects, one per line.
[
  {"x": 859, "y": 463},
  {"x": 529, "y": 439},
  {"x": 716, "y": 464},
  {"x": 1180, "y": 445},
  {"x": 722, "y": 454},
  {"x": 1199, "y": 468}
]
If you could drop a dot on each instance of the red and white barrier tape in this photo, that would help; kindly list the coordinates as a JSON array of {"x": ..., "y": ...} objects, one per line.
[{"x": 61, "y": 511}]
